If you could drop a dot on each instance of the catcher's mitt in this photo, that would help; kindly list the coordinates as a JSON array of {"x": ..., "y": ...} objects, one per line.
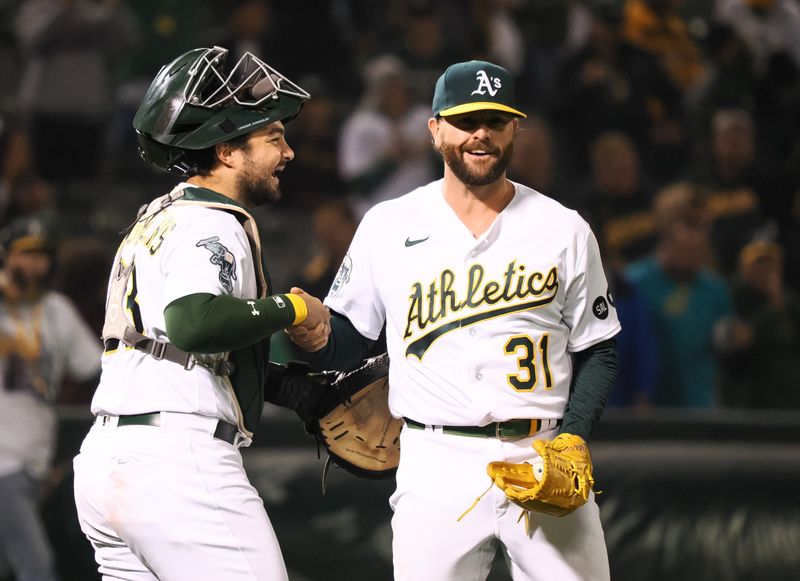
[
  {"x": 348, "y": 412},
  {"x": 564, "y": 482}
]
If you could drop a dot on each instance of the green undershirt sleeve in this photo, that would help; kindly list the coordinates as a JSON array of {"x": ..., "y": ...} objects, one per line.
[
  {"x": 346, "y": 347},
  {"x": 207, "y": 323},
  {"x": 594, "y": 377}
]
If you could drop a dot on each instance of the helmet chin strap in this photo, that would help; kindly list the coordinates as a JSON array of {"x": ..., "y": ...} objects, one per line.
[{"x": 183, "y": 168}]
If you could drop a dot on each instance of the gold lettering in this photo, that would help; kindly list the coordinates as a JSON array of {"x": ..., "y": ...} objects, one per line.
[
  {"x": 532, "y": 283},
  {"x": 473, "y": 287},
  {"x": 150, "y": 233},
  {"x": 155, "y": 240},
  {"x": 509, "y": 275},
  {"x": 490, "y": 294},
  {"x": 432, "y": 292},
  {"x": 448, "y": 296},
  {"x": 552, "y": 279},
  {"x": 441, "y": 299},
  {"x": 415, "y": 310}
]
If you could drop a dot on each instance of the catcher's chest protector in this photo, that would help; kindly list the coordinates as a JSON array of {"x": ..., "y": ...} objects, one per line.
[{"x": 148, "y": 231}]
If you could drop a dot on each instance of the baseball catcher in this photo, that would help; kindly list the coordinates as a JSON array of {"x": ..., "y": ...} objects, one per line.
[
  {"x": 346, "y": 411},
  {"x": 189, "y": 314},
  {"x": 559, "y": 486}
]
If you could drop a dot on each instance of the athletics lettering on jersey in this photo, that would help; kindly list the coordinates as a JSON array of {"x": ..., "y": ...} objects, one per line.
[
  {"x": 440, "y": 300},
  {"x": 222, "y": 257}
]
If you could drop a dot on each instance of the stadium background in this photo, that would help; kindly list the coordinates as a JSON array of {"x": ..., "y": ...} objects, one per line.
[{"x": 627, "y": 98}]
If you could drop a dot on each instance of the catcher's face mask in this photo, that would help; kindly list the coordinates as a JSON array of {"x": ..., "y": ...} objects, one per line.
[
  {"x": 249, "y": 83},
  {"x": 197, "y": 101}
]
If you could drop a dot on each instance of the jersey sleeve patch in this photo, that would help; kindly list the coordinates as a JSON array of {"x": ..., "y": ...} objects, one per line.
[
  {"x": 600, "y": 308},
  {"x": 342, "y": 276},
  {"x": 223, "y": 258}
]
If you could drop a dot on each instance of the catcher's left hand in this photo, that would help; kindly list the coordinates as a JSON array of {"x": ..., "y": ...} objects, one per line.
[
  {"x": 348, "y": 412},
  {"x": 564, "y": 484}
]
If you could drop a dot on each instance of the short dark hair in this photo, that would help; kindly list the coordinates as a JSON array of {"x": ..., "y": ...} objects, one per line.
[{"x": 204, "y": 160}]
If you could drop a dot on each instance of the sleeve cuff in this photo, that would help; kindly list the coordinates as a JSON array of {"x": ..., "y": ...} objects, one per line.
[{"x": 300, "y": 308}]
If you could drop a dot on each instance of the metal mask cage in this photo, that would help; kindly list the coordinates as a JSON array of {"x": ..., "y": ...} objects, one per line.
[{"x": 249, "y": 83}]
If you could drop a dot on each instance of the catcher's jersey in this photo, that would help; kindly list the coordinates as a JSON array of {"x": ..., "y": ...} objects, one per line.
[
  {"x": 477, "y": 330},
  {"x": 182, "y": 250}
]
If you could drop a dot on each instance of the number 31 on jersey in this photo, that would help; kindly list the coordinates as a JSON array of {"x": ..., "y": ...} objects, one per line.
[{"x": 525, "y": 349}]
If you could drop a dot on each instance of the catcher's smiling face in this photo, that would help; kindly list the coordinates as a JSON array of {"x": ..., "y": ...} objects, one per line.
[
  {"x": 266, "y": 154},
  {"x": 476, "y": 146}
]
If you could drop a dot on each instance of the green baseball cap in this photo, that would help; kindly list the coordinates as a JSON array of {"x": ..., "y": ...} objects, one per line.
[{"x": 474, "y": 86}]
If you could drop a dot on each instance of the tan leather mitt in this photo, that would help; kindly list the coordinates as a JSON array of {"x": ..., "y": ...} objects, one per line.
[
  {"x": 360, "y": 433},
  {"x": 564, "y": 480},
  {"x": 347, "y": 411}
]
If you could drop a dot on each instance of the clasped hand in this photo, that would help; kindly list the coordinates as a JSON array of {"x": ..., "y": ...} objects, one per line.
[{"x": 312, "y": 334}]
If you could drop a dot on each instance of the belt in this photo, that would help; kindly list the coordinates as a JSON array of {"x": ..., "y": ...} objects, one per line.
[
  {"x": 224, "y": 430},
  {"x": 509, "y": 429}
]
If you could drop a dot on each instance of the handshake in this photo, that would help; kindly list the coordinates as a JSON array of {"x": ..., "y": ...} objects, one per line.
[{"x": 312, "y": 334}]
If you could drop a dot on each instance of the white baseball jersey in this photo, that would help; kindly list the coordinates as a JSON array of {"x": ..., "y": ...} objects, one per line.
[
  {"x": 40, "y": 344},
  {"x": 182, "y": 250},
  {"x": 477, "y": 329}
]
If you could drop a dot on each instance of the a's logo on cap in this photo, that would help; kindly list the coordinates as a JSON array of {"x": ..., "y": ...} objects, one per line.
[{"x": 485, "y": 84}]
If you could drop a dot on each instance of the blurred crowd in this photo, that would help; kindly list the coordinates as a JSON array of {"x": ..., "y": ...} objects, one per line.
[{"x": 672, "y": 126}]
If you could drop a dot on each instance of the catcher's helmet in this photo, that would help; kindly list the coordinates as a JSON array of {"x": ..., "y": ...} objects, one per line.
[{"x": 196, "y": 102}]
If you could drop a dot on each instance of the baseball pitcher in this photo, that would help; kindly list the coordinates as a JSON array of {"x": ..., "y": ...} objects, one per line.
[{"x": 500, "y": 334}]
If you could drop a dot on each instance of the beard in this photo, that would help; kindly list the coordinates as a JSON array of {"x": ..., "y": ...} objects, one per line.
[
  {"x": 255, "y": 186},
  {"x": 471, "y": 176}
]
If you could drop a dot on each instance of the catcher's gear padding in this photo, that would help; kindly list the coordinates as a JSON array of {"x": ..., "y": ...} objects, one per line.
[
  {"x": 565, "y": 482},
  {"x": 348, "y": 412}
]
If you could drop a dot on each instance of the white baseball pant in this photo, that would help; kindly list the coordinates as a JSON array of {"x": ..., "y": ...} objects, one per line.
[
  {"x": 171, "y": 503},
  {"x": 439, "y": 477}
]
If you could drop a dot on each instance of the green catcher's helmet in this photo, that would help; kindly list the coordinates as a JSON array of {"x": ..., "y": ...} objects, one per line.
[{"x": 196, "y": 102}]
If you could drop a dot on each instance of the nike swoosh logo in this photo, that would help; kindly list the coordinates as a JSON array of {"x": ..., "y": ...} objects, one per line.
[{"x": 410, "y": 242}]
